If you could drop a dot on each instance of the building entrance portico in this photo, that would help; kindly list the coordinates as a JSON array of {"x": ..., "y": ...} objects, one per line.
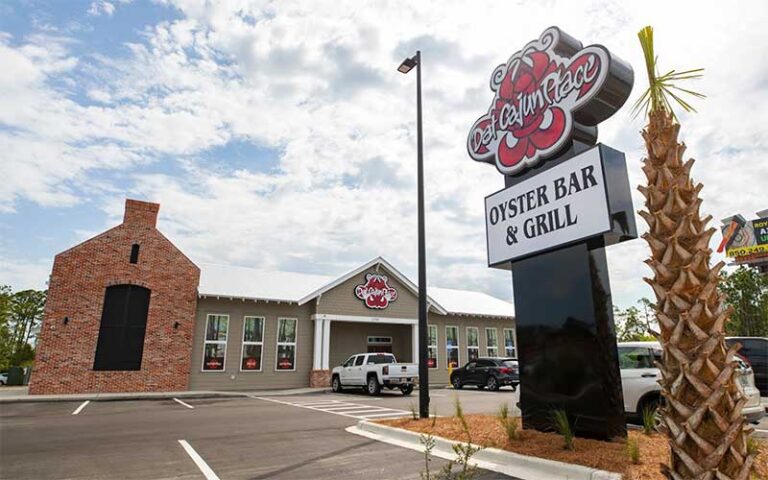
[{"x": 337, "y": 337}]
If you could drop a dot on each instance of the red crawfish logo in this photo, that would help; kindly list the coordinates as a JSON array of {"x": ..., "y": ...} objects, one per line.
[
  {"x": 538, "y": 92},
  {"x": 376, "y": 292}
]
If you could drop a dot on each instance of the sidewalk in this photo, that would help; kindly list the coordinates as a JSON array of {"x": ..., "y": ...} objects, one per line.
[{"x": 21, "y": 395}]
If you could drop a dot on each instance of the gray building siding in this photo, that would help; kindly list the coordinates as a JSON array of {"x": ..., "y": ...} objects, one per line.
[
  {"x": 269, "y": 377},
  {"x": 341, "y": 300}
]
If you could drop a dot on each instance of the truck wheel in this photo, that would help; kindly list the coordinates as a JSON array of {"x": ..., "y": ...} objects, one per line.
[
  {"x": 406, "y": 389},
  {"x": 456, "y": 382},
  {"x": 492, "y": 383},
  {"x": 336, "y": 384},
  {"x": 373, "y": 386}
]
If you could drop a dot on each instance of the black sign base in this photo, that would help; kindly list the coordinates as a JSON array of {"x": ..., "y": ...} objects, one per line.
[
  {"x": 564, "y": 316},
  {"x": 567, "y": 342}
]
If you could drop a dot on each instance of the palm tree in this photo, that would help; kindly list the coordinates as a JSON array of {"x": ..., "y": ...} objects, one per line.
[{"x": 702, "y": 417}]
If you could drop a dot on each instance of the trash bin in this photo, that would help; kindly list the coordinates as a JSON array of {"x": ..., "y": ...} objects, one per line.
[{"x": 15, "y": 376}]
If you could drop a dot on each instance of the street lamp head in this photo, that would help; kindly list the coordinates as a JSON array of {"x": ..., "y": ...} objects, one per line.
[{"x": 408, "y": 64}]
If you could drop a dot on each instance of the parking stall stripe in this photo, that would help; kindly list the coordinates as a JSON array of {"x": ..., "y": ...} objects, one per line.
[
  {"x": 183, "y": 403},
  {"x": 207, "y": 472},
  {"x": 81, "y": 407},
  {"x": 390, "y": 414}
]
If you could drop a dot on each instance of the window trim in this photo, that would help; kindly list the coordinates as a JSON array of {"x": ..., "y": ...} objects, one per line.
[
  {"x": 436, "y": 346},
  {"x": 514, "y": 342},
  {"x": 243, "y": 343},
  {"x": 487, "y": 342},
  {"x": 469, "y": 347},
  {"x": 295, "y": 344},
  {"x": 206, "y": 342},
  {"x": 457, "y": 347}
]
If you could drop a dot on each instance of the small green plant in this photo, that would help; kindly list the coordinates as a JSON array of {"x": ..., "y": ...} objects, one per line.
[
  {"x": 457, "y": 408},
  {"x": 414, "y": 413},
  {"x": 429, "y": 444},
  {"x": 633, "y": 450},
  {"x": 562, "y": 426},
  {"x": 509, "y": 424},
  {"x": 752, "y": 447},
  {"x": 503, "y": 412},
  {"x": 434, "y": 416},
  {"x": 649, "y": 419}
]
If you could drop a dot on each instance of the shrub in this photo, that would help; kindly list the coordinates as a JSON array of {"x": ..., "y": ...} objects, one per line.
[
  {"x": 562, "y": 426},
  {"x": 414, "y": 412},
  {"x": 649, "y": 419},
  {"x": 633, "y": 450}
]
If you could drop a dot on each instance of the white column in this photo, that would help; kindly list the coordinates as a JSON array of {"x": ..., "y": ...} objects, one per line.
[
  {"x": 415, "y": 343},
  {"x": 317, "y": 361},
  {"x": 326, "y": 344}
]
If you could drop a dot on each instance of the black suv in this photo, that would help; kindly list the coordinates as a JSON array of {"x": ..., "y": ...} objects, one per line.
[{"x": 487, "y": 372}]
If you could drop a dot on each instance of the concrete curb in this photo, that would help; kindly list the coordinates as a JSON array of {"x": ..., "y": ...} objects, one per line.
[
  {"x": 111, "y": 397},
  {"x": 513, "y": 464}
]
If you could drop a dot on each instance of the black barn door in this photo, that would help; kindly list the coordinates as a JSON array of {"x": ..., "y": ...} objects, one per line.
[{"x": 123, "y": 324}]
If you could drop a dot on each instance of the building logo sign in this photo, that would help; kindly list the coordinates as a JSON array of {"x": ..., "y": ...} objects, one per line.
[
  {"x": 376, "y": 292},
  {"x": 544, "y": 93}
]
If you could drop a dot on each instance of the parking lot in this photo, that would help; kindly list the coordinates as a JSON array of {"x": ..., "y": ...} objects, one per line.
[{"x": 285, "y": 437}]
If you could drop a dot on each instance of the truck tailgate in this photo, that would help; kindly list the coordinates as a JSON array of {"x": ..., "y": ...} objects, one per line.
[{"x": 403, "y": 370}]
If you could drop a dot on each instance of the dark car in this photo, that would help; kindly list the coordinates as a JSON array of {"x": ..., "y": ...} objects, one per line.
[
  {"x": 487, "y": 372},
  {"x": 755, "y": 350}
]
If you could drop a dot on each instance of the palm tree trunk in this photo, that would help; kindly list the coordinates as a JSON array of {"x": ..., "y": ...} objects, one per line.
[{"x": 702, "y": 417}]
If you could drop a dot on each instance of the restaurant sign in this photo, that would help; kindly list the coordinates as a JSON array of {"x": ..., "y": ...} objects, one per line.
[
  {"x": 561, "y": 205},
  {"x": 542, "y": 96},
  {"x": 376, "y": 292}
]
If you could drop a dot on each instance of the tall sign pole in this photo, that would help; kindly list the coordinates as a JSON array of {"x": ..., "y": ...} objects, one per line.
[
  {"x": 566, "y": 199},
  {"x": 406, "y": 67}
]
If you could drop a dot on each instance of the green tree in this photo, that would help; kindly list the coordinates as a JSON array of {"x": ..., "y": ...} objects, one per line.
[
  {"x": 631, "y": 326},
  {"x": 20, "y": 313},
  {"x": 746, "y": 291},
  {"x": 6, "y": 349}
]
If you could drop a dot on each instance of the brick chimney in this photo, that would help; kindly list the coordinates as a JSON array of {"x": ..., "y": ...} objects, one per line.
[{"x": 141, "y": 213}]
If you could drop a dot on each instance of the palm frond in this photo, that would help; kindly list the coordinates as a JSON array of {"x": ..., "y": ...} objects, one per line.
[{"x": 663, "y": 88}]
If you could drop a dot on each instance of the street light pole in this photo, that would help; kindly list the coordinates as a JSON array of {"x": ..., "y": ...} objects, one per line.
[{"x": 406, "y": 67}]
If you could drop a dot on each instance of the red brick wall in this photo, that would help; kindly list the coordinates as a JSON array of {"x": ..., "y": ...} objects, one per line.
[{"x": 65, "y": 353}]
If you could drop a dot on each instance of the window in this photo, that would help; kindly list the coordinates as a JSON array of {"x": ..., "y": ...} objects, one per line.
[
  {"x": 215, "y": 348},
  {"x": 473, "y": 343},
  {"x": 359, "y": 360},
  {"x": 631, "y": 357},
  {"x": 492, "y": 342},
  {"x": 123, "y": 323},
  {"x": 350, "y": 361},
  {"x": 286, "y": 344},
  {"x": 432, "y": 347},
  {"x": 381, "y": 358},
  {"x": 509, "y": 343},
  {"x": 452, "y": 346},
  {"x": 253, "y": 344},
  {"x": 135, "y": 253},
  {"x": 379, "y": 344}
]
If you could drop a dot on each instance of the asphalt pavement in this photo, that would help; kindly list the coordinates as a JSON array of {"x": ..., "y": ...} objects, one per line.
[{"x": 285, "y": 437}]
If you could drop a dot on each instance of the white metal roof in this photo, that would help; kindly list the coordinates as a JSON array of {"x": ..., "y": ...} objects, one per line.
[{"x": 255, "y": 284}]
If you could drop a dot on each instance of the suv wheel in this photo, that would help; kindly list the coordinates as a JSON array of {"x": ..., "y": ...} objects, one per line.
[
  {"x": 336, "y": 384},
  {"x": 373, "y": 386},
  {"x": 456, "y": 382},
  {"x": 492, "y": 383}
]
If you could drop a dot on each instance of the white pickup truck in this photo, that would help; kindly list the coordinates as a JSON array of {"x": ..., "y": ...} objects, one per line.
[{"x": 372, "y": 371}]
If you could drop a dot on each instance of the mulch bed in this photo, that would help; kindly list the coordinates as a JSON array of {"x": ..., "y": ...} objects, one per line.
[{"x": 486, "y": 430}]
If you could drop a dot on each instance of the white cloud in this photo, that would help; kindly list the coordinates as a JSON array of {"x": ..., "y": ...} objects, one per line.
[
  {"x": 317, "y": 83},
  {"x": 101, "y": 7}
]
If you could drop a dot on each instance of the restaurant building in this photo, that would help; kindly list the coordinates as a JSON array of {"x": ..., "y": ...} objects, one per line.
[{"x": 129, "y": 312}]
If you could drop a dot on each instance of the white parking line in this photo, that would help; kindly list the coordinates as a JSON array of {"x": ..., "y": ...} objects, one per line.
[
  {"x": 81, "y": 407},
  {"x": 344, "y": 409},
  {"x": 183, "y": 403},
  {"x": 207, "y": 472}
]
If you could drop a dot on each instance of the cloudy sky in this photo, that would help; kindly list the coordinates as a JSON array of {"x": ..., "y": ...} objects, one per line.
[{"x": 279, "y": 135}]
